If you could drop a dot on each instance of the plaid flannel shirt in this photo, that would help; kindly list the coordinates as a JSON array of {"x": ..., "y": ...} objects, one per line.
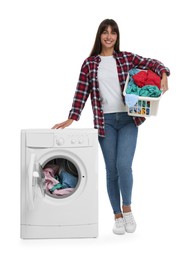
[{"x": 88, "y": 84}]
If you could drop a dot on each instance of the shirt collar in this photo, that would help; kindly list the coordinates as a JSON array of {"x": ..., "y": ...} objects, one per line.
[{"x": 98, "y": 59}]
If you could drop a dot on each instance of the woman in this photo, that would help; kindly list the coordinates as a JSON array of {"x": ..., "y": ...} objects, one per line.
[{"x": 103, "y": 75}]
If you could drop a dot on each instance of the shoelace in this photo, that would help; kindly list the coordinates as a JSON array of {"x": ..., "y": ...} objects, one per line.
[
  {"x": 129, "y": 219},
  {"x": 119, "y": 222}
]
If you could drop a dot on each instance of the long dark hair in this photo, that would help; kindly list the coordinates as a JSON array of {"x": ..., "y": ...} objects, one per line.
[{"x": 97, "y": 47}]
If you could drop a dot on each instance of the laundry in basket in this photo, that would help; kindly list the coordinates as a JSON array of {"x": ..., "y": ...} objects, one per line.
[{"x": 141, "y": 101}]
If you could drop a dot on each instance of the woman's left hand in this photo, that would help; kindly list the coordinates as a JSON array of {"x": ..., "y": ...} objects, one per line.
[{"x": 164, "y": 83}]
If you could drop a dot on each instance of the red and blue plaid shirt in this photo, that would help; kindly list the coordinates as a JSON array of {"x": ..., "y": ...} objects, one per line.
[{"x": 88, "y": 84}]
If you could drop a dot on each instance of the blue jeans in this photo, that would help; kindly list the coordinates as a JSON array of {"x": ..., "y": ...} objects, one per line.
[
  {"x": 67, "y": 180},
  {"x": 118, "y": 148}
]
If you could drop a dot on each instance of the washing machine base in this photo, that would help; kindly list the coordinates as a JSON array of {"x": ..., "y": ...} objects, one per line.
[{"x": 37, "y": 232}]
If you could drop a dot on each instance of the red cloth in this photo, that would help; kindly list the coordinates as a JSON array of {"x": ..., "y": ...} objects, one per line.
[{"x": 147, "y": 77}]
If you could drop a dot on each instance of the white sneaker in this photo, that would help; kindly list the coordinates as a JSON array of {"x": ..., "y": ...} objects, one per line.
[
  {"x": 129, "y": 222},
  {"x": 119, "y": 226}
]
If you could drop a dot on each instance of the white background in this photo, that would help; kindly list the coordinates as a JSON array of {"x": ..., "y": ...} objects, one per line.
[{"x": 42, "y": 46}]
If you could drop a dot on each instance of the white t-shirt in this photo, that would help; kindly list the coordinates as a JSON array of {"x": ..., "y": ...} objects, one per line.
[{"x": 109, "y": 87}]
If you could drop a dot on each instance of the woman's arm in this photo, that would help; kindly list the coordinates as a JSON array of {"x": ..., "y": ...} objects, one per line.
[
  {"x": 63, "y": 124},
  {"x": 149, "y": 64},
  {"x": 81, "y": 95},
  {"x": 154, "y": 65},
  {"x": 164, "y": 82}
]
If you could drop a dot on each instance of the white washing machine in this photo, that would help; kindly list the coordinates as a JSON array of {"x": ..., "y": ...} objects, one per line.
[{"x": 45, "y": 214}]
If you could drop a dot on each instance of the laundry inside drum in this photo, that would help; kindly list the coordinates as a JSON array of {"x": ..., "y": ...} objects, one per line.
[{"x": 61, "y": 177}]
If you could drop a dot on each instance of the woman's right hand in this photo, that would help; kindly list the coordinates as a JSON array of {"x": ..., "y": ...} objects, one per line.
[{"x": 63, "y": 124}]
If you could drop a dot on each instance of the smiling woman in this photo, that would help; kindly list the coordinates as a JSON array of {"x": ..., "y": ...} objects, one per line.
[
  {"x": 107, "y": 37},
  {"x": 103, "y": 76}
]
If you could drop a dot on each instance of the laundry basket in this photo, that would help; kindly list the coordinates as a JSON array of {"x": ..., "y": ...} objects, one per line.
[{"x": 145, "y": 107}]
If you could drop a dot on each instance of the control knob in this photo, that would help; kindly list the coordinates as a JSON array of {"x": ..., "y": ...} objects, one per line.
[{"x": 60, "y": 141}]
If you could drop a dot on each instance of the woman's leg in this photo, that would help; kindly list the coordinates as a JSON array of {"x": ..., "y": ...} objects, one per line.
[
  {"x": 126, "y": 145},
  {"x": 108, "y": 145}
]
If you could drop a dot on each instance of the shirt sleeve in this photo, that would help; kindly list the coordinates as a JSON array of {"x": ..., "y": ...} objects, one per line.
[
  {"x": 151, "y": 64},
  {"x": 81, "y": 94}
]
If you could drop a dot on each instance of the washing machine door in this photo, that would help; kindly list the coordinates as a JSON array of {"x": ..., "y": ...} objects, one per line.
[{"x": 36, "y": 181}]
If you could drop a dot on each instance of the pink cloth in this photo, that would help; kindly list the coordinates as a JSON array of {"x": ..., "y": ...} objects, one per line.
[{"x": 50, "y": 181}]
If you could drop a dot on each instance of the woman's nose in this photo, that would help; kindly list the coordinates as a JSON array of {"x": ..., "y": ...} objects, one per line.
[{"x": 108, "y": 36}]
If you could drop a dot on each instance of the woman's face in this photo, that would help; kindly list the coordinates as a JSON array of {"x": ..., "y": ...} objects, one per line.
[{"x": 108, "y": 38}]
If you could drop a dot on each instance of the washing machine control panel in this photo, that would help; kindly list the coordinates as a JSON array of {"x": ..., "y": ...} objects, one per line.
[{"x": 73, "y": 140}]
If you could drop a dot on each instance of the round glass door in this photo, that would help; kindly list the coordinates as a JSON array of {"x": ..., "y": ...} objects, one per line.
[{"x": 61, "y": 177}]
